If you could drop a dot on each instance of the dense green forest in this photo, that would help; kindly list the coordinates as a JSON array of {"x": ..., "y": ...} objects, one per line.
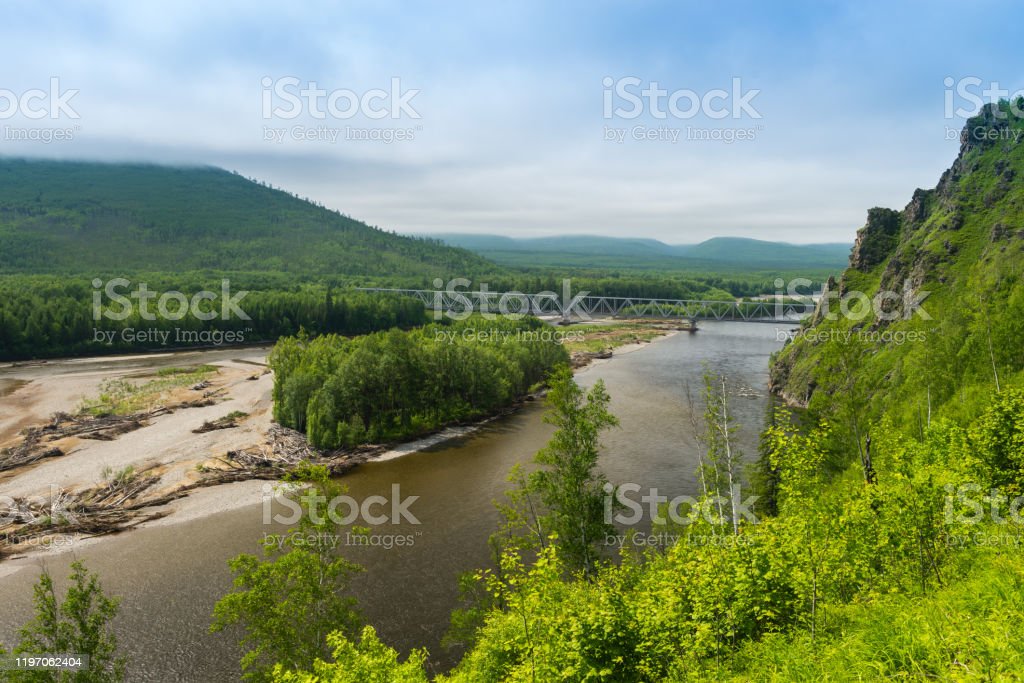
[
  {"x": 898, "y": 556},
  {"x": 44, "y": 316},
  {"x": 47, "y": 316},
  {"x": 393, "y": 385},
  {"x": 94, "y": 218}
]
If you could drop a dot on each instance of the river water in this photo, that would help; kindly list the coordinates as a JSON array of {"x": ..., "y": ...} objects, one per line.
[{"x": 169, "y": 576}]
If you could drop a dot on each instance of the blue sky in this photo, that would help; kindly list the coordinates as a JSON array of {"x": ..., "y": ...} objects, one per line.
[{"x": 510, "y": 134}]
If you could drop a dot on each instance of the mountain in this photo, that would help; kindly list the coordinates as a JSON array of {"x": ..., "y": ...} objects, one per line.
[
  {"x": 568, "y": 244},
  {"x": 621, "y": 252},
  {"x": 958, "y": 250},
  {"x": 763, "y": 253},
  {"x": 83, "y": 217}
]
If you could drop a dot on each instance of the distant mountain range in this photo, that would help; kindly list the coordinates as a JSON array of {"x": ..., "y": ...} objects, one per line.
[{"x": 593, "y": 250}]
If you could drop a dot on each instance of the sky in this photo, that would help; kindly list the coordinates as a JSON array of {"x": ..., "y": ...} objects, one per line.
[{"x": 778, "y": 121}]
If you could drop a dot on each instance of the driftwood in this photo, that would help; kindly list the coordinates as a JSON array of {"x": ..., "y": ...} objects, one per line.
[
  {"x": 108, "y": 508},
  {"x": 62, "y": 425},
  {"x": 105, "y": 427},
  {"x": 26, "y": 453},
  {"x": 120, "y": 502},
  {"x": 284, "y": 451},
  {"x": 226, "y": 422},
  {"x": 580, "y": 359}
]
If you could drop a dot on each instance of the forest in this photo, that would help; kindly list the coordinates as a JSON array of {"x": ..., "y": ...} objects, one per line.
[
  {"x": 48, "y": 316},
  {"x": 188, "y": 228},
  {"x": 394, "y": 385},
  {"x": 44, "y": 317}
]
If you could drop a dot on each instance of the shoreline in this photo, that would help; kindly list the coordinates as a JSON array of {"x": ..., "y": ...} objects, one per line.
[{"x": 206, "y": 502}]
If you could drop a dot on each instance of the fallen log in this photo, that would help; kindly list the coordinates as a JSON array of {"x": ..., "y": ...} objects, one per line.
[{"x": 227, "y": 422}]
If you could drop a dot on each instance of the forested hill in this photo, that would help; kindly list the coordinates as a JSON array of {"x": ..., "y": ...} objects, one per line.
[
  {"x": 714, "y": 255},
  {"x": 962, "y": 243},
  {"x": 82, "y": 217}
]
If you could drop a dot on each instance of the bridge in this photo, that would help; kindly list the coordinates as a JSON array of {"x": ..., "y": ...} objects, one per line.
[{"x": 588, "y": 306}]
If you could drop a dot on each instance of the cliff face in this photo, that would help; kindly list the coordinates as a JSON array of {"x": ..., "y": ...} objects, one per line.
[
  {"x": 875, "y": 241},
  {"x": 959, "y": 248}
]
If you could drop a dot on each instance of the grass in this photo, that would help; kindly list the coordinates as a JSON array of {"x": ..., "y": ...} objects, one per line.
[
  {"x": 119, "y": 478},
  {"x": 122, "y": 397},
  {"x": 597, "y": 338}
]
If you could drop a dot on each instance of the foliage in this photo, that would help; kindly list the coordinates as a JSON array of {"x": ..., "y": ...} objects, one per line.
[
  {"x": 160, "y": 218},
  {"x": 44, "y": 316},
  {"x": 79, "y": 625},
  {"x": 122, "y": 396},
  {"x": 568, "y": 488},
  {"x": 291, "y": 599},
  {"x": 726, "y": 257},
  {"x": 393, "y": 385},
  {"x": 369, "y": 661},
  {"x": 64, "y": 225},
  {"x": 899, "y": 574},
  {"x": 961, "y": 244}
]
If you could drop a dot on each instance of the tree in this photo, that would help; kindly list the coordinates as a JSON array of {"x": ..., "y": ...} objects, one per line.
[
  {"x": 568, "y": 483},
  {"x": 80, "y": 625},
  {"x": 723, "y": 455},
  {"x": 369, "y": 661},
  {"x": 292, "y": 599}
]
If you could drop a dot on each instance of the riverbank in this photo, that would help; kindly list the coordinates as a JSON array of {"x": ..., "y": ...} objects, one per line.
[
  {"x": 171, "y": 572},
  {"x": 172, "y": 450}
]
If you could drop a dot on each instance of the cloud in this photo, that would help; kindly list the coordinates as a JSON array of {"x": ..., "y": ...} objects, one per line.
[{"x": 511, "y": 137}]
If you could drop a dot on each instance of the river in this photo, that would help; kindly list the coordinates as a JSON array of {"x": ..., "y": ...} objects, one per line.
[{"x": 170, "y": 575}]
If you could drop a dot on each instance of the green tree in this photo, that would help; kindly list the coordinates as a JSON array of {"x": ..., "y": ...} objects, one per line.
[
  {"x": 79, "y": 625},
  {"x": 723, "y": 456},
  {"x": 368, "y": 661},
  {"x": 290, "y": 600},
  {"x": 568, "y": 484}
]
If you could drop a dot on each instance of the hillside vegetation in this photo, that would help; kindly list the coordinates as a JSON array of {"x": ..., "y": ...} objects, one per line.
[
  {"x": 959, "y": 250},
  {"x": 81, "y": 217},
  {"x": 900, "y": 557}
]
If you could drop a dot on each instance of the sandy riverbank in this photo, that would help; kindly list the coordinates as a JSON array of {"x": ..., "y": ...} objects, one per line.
[{"x": 168, "y": 442}]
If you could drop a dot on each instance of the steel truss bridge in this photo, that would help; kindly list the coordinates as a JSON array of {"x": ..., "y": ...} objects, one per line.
[{"x": 587, "y": 306}]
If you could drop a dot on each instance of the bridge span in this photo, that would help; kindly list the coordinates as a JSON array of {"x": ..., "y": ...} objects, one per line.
[{"x": 586, "y": 306}]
